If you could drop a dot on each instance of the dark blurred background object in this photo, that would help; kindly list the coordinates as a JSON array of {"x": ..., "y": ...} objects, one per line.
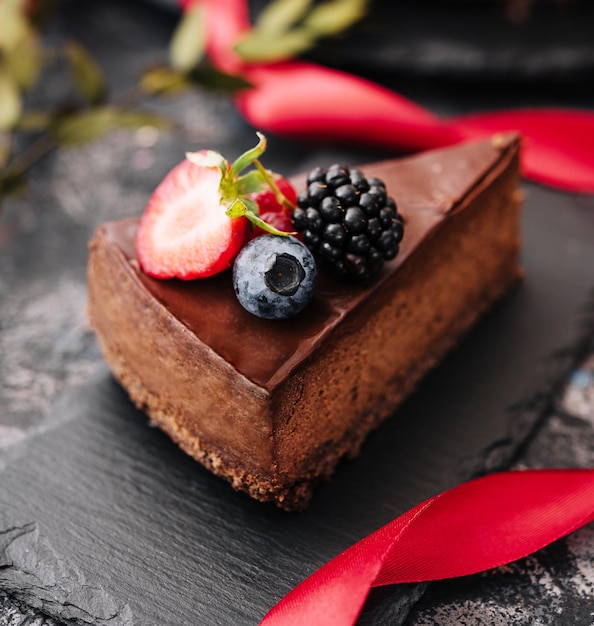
[
  {"x": 486, "y": 40},
  {"x": 513, "y": 40}
]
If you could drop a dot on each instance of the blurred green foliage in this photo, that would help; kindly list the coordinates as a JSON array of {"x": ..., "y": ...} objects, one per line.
[
  {"x": 284, "y": 29},
  {"x": 26, "y": 133},
  {"x": 287, "y": 28}
]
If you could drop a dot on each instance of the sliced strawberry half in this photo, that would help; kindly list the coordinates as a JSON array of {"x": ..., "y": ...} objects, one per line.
[
  {"x": 185, "y": 231},
  {"x": 203, "y": 212}
]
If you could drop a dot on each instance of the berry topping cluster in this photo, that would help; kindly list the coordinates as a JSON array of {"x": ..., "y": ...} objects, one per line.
[
  {"x": 208, "y": 215},
  {"x": 348, "y": 221}
]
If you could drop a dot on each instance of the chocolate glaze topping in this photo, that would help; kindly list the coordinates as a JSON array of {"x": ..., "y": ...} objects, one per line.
[{"x": 427, "y": 188}]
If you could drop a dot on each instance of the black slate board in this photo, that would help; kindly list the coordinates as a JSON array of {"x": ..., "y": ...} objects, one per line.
[{"x": 104, "y": 521}]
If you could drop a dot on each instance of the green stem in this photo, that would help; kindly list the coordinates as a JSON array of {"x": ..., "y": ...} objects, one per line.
[
  {"x": 36, "y": 151},
  {"x": 5, "y": 148},
  {"x": 248, "y": 157},
  {"x": 281, "y": 198}
]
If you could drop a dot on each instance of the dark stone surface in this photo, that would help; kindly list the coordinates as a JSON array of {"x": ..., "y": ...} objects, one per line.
[
  {"x": 104, "y": 521},
  {"x": 555, "y": 586}
]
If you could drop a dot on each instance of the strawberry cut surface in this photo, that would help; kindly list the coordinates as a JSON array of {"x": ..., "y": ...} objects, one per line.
[{"x": 184, "y": 232}]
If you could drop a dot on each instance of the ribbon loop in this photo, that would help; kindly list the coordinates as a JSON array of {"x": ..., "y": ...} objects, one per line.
[{"x": 473, "y": 527}]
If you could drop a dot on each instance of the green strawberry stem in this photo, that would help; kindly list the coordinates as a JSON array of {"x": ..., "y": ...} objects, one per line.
[
  {"x": 248, "y": 157},
  {"x": 242, "y": 207},
  {"x": 235, "y": 188},
  {"x": 282, "y": 199}
]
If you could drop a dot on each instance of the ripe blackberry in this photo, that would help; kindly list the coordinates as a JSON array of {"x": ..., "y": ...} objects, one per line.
[{"x": 348, "y": 221}]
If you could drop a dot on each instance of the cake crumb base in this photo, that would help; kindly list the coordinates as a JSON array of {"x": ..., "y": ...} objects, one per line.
[{"x": 294, "y": 497}]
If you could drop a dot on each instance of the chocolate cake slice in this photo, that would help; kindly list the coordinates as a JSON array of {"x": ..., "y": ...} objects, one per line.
[{"x": 272, "y": 406}]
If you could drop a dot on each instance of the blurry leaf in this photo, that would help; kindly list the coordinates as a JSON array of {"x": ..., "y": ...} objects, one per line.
[
  {"x": 13, "y": 24},
  {"x": 88, "y": 125},
  {"x": 252, "y": 206},
  {"x": 10, "y": 101},
  {"x": 11, "y": 183},
  {"x": 138, "y": 119},
  {"x": 84, "y": 126},
  {"x": 5, "y": 141},
  {"x": 279, "y": 16},
  {"x": 87, "y": 75},
  {"x": 275, "y": 39},
  {"x": 205, "y": 75},
  {"x": 335, "y": 16},
  {"x": 163, "y": 81},
  {"x": 23, "y": 62},
  {"x": 255, "y": 48},
  {"x": 251, "y": 182},
  {"x": 189, "y": 40},
  {"x": 34, "y": 121}
]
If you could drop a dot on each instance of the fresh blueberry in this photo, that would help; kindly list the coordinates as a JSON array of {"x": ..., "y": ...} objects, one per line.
[{"x": 274, "y": 277}]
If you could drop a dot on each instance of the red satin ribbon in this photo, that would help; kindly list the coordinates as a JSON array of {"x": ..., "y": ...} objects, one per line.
[
  {"x": 476, "y": 526},
  {"x": 305, "y": 100},
  {"x": 557, "y": 148}
]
